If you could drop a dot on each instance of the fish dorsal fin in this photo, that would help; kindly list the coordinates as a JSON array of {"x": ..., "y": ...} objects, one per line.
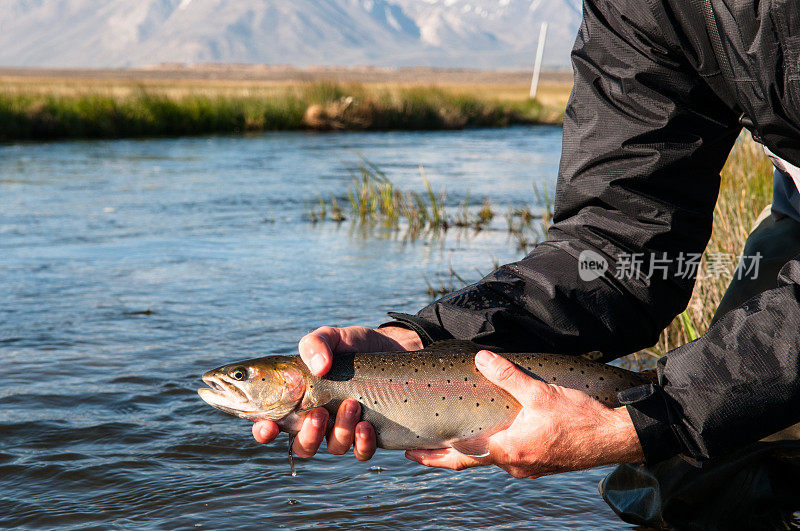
[
  {"x": 475, "y": 447},
  {"x": 451, "y": 346}
]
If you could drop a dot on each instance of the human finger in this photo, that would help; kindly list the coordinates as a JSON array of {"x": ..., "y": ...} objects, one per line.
[
  {"x": 508, "y": 376},
  {"x": 316, "y": 349},
  {"x": 365, "y": 443},
  {"x": 265, "y": 431},
  {"x": 444, "y": 458},
  {"x": 311, "y": 433},
  {"x": 341, "y": 437}
]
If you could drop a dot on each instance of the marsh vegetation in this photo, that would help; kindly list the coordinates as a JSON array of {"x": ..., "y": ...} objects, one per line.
[{"x": 83, "y": 109}]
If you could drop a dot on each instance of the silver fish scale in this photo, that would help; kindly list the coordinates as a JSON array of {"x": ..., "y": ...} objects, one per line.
[{"x": 429, "y": 399}]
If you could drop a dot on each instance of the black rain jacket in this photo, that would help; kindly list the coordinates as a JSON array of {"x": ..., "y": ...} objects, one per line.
[{"x": 651, "y": 120}]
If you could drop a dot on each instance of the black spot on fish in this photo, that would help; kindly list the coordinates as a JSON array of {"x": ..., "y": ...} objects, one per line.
[
  {"x": 442, "y": 398},
  {"x": 448, "y": 381},
  {"x": 461, "y": 398},
  {"x": 508, "y": 407},
  {"x": 263, "y": 379},
  {"x": 429, "y": 385},
  {"x": 540, "y": 365},
  {"x": 465, "y": 379},
  {"x": 375, "y": 402},
  {"x": 477, "y": 404},
  {"x": 405, "y": 400},
  {"x": 492, "y": 399},
  {"x": 437, "y": 414},
  {"x": 416, "y": 370},
  {"x": 554, "y": 378},
  {"x": 406, "y": 383},
  {"x": 582, "y": 372},
  {"x": 474, "y": 385},
  {"x": 587, "y": 386},
  {"x": 596, "y": 397},
  {"x": 390, "y": 379},
  {"x": 601, "y": 378},
  {"x": 571, "y": 369}
]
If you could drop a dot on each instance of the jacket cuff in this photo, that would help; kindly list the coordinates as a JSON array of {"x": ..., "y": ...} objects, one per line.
[
  {"x": 651, "y": 418},
  {"x": 427, "y": 331}
]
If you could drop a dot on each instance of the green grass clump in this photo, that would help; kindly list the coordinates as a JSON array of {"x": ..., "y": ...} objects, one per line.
[{"x": 145, "y": 114}]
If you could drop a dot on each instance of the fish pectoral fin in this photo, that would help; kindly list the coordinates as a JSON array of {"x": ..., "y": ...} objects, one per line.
[{"x": 475, "y": 447}]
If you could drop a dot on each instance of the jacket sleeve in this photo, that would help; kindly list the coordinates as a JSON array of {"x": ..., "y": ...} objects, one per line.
[
  {"x": 644, "y": 141},
  {"x": 736, "y": 384}
]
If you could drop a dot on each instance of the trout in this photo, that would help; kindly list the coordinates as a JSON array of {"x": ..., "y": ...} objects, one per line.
[{"x": 426, "y": 399}]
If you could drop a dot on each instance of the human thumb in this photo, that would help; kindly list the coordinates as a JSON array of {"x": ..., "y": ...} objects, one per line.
[{"x": 508, "y": 376}]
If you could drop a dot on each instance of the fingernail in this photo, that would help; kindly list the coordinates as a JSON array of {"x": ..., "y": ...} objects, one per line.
[
  {"x": 318, "y": 419},
  {"x": 484, "y": 357},
  {"x": 264, "y": 432},
  {"x": 317, "y": 363},
  {"x": 350, "y": 409},
  {"x": 361, "y": 432}
]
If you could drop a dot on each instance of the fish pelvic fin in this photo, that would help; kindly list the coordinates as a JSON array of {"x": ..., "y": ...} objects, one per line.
[{"x": 475, "y": 447}]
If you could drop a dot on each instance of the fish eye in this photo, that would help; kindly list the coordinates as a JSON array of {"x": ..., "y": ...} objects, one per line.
[{"x": 239, "y": 373}]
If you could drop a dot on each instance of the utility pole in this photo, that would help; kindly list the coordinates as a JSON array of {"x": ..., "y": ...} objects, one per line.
[{"x": 537, "y": 67}]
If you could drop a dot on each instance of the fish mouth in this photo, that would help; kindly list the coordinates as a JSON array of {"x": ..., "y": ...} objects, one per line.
[{"x": 225, "y": 396}]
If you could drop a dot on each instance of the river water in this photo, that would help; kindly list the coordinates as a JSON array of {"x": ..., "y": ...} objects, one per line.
[{"x": 128, "y": 268}]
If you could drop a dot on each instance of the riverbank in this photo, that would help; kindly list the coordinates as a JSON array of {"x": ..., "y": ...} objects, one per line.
[{"x": 45, "y": 106}]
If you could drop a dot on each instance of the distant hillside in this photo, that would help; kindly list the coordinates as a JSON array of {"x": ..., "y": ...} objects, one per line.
[{"x": 440, "y": 33}]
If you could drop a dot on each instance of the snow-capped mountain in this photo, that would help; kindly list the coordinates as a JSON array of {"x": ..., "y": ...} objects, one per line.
[{"x": 443, "y": 33}]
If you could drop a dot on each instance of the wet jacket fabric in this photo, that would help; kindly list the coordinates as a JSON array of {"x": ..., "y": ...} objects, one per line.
[{"x": 652, "y": 118}]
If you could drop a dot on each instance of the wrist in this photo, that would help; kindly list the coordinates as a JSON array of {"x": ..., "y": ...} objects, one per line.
[
  {"x": 404, "y": 337},
  {"x": 620, "y": 432}
]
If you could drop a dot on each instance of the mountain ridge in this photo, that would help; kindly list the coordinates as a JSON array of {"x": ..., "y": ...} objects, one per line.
[{"x": 387, "y": 33}]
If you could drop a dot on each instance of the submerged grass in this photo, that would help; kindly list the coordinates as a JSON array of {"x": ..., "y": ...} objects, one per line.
[
  {"x": 27, "y": 113},
  {"x": 375, "y": 201}
]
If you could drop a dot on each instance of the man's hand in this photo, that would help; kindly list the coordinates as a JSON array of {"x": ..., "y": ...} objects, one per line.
[
  {"x": 557, "y": 430},
  {"x": 317, "y": 350}
]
